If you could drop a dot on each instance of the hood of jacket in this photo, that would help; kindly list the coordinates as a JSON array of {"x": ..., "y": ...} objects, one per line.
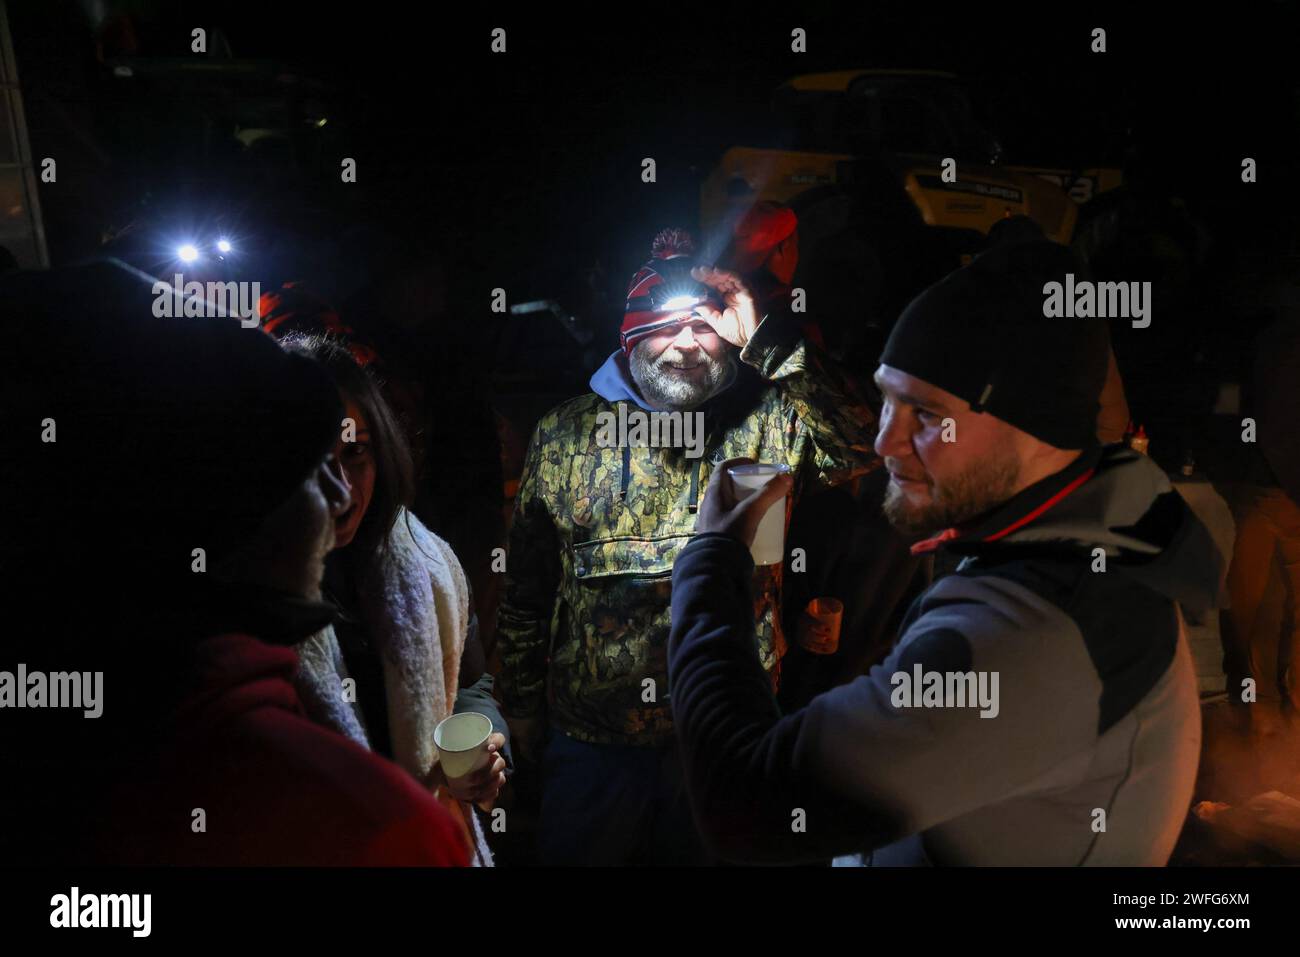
[{"x": 613, "y": 382}]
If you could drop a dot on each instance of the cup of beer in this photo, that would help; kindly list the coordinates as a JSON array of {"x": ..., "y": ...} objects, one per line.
[{"x": 769, "y": 541}]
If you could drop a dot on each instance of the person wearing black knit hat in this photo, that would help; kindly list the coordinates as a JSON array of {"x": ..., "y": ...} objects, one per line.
[
  {"x": 1113, "y": 414},
  {"x": 979, "y": 337},
  {"x": 1039, "y": 706},
  {"x": 186, "y": 491}
]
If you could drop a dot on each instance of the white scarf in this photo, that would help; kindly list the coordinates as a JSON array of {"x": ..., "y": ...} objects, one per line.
[{"x": 416, "y": 610}]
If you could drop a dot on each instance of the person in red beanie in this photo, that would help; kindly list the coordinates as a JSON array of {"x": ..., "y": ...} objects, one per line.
[
  {"x": 767, "y": 238},
  {"x": 765, "y": 250}
]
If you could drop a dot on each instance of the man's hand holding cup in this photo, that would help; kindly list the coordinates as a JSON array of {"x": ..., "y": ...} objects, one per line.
[{"x": 724, "y": 511}]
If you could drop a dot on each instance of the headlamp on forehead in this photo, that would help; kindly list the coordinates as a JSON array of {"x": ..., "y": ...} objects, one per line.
[
  {"x": 674, "y": 297},
  {"x": 664, "y": 294},
  {"x": 680, "y": 303}
]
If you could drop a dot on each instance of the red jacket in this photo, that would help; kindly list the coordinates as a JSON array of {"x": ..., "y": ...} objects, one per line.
[{"x": 274, "y": 788}]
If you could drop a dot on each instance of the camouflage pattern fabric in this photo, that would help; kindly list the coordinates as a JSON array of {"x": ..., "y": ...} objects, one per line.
[{"x": 589, "y": 566}]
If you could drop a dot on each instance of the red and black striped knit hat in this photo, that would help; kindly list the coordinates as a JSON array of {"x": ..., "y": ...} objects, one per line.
[{"x": 663, "y": 292}]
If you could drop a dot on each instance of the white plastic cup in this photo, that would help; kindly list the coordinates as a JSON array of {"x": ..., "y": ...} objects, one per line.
[
  {"x": 461, "y": 740},
  {"x": 769, "y": 540}
]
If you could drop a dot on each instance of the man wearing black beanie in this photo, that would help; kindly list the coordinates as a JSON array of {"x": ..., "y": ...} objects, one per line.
[{"x": 1039, "y": 706}]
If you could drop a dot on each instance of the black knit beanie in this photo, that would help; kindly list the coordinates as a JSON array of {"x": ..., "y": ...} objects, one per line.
[{"x": 980, "y": 333}]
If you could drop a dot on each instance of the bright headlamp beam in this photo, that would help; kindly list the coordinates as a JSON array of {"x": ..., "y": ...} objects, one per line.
[{"x": 680, "y": 302}]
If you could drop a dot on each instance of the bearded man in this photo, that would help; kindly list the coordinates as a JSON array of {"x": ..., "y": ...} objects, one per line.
[
  {"x": 583, "y": 628},
  {"x": 1040, "y": 706}
]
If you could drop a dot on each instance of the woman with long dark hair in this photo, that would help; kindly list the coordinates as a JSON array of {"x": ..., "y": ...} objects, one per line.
[{"x": 404, "y": 652}]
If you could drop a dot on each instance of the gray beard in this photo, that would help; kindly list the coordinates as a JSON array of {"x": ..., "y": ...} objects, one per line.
[{"x": 664, "y": 389}]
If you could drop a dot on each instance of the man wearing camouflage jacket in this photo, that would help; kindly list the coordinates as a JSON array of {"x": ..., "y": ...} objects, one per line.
[{"x": 598, "y": 524}]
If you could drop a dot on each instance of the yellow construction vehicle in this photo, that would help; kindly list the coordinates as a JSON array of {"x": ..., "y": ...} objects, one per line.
[{"x": 867, "y": 131}]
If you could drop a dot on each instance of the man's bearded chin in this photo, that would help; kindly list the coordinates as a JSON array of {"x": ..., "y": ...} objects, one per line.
[
  {"x": 667, "y": 388},
  {"x": 981, "y": 488}
]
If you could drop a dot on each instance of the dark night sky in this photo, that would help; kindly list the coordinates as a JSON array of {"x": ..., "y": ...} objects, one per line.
[{"x": 516, "y": 165}]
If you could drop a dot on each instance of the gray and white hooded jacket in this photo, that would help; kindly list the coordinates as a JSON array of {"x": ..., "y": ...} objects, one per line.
[{"x": 1084, "y": 751}]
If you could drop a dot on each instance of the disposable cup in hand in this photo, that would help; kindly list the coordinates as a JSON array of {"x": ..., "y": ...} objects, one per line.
[
  {"x": 769, "y": 542},
  {"x": 462, "y": 741}
]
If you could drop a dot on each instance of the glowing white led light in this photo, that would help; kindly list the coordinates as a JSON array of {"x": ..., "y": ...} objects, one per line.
[{"x": 680, "y": 302}]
